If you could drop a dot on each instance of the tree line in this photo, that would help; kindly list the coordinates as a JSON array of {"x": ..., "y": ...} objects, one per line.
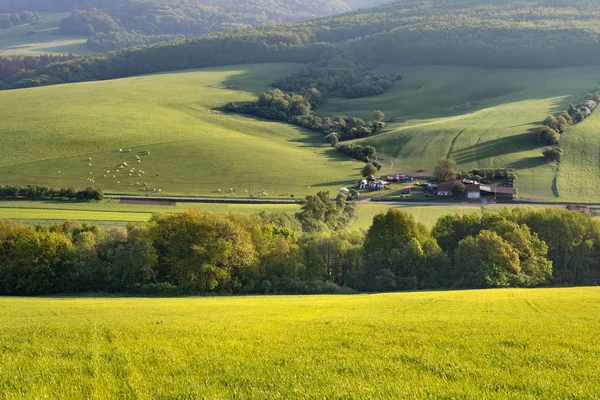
[
  {"x": 554, "y": 126},
  {"x": 514, "y": 33},
  {"x": 296, "y": 97},
  {"x": 298, "y": 109},
  {"x": 314, "y": 252},
  {"x": 42, "y": 192}
]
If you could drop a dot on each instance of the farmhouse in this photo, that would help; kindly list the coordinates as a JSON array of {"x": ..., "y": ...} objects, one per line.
[{"x": 445, "y": 189}]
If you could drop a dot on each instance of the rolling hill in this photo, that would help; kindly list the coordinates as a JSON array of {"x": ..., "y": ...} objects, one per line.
[
  {"x": 48, "y": 135},
  {"x": 482, "y": 118},
  {"x": 84, "y": 26},
  {"x": 498, "y": 34}
]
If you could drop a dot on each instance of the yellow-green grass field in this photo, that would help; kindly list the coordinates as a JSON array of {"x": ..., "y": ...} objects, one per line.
[
  {"x": 41, "y": 38},
  {"x": 48, "y": 135},
  {"x": 497, "y": 132},
  {"x": 488, "y": 344}
]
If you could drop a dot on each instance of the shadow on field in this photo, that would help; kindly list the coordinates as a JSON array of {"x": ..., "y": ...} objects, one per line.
[
  {"x": 334, "y": 183},
  {"x": 529, "y": 162},
  {"x": 496, "y": 148}
]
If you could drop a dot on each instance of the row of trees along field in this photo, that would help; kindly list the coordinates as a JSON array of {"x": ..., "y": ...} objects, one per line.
[
  {"x": 553, "y": 127},
  {"x": 193, "y": 252},
  {"x": 507, "y": 33},
  {"x": 42, "y": 192},
  {"x": 297, "y": 96}
]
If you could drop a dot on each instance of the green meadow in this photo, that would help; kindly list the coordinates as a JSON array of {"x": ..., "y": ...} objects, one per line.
[
  {"x": 31, "y": 40},
  {"x": 480, "y": 117},
  {"x": 49, "y": 134},
  {"x": 579, "y": 174},
  {"x": 487, "y": 344}
]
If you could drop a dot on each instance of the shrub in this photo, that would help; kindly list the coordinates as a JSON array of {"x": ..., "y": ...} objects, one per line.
[
  {"x": 553, "y": 153},
  {"x": 548, "y": 136}
]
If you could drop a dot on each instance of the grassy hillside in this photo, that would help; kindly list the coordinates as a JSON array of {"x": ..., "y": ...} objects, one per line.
[
  {"x": 48, "y": 135},
  {"x": 579, "y": 174},
  {"x": 432, "y": 118},
  {"x": 501, "y": 344},
  {"x": 40, "y": 38}
]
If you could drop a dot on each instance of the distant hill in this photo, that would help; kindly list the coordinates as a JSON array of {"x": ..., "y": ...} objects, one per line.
[
  {"x": 116, "y": 24},
  {"x": 498, "y": 33}
]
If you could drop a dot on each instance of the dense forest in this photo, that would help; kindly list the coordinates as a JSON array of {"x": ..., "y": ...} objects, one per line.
[
  {"x": 131, "y": 23},
  {"x": 314, "y": 252},
  {"x": 502, "y": 33}
]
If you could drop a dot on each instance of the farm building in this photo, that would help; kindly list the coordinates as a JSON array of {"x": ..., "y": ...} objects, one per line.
[
  {"x": 473, "y": 191},
  {"x": 445, "y": 189},
  {"x": 498, "y": 192}
]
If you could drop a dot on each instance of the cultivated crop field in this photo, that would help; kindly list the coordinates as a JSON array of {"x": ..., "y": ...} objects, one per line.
[
  {"x": 111, "y": 211},
  {"x": 41, "y": 38},
  {"x": 49, "y": 134},
  {"x": 480, "y": 117},
  {"x": 517, "y": 344}
]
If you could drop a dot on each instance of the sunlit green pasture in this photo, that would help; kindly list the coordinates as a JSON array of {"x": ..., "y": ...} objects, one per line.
[
  {"x": 40, "y": 38},
  {"x": 579, "y": 174},
  {"x": 496, "y": 130},
  {"x": 490, "y": 344},
  {"x": 49, "y": 134}
]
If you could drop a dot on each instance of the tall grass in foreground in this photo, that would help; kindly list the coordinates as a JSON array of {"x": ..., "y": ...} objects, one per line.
[{"x": 472, "y": 344}]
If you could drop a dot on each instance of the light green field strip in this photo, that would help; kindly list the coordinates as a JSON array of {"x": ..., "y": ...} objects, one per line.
[
  {"x": 496, "y": 131},
  {"x": 427, "y": 215},
  {"x": 39, "y": 39},
  {"x": 108, "y": 211},
  {"x": 49, "y": 214},
  {"x": 113, "y": 211},
  {"x": 48, "y": 135},
  {"x": 500, "y": 344}
]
